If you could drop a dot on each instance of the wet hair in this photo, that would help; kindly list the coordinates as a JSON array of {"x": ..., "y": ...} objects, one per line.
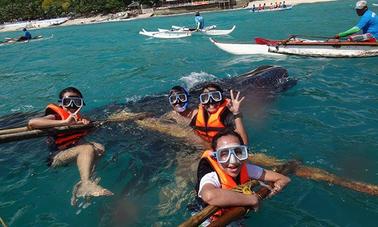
[
  {"x": 70, "y": 89},
  {"x": 225, "y": 132},
  {"x": 212, "y": 85},
  {"x": 197, "y": 13},
  {"x": 24, "y": 30},
  {"x": 178, "y": 89}
]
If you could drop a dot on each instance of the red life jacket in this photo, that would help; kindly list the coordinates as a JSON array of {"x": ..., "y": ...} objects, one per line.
[
  {"x": 64, "y": 140},
  {"x": 227, "y": 182},
  {"x": 208, "y": 129}
]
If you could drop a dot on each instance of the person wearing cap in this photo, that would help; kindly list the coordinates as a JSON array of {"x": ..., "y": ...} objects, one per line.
[
  {"x": 200, "y": 22},
  {"x": 26, "y": 36},
  {"x": 368, "y": 24}
]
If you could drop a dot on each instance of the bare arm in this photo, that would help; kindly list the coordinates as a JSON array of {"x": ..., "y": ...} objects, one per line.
[
  {"x": 48, "y": 122},
  {"x": 234, "y": 107},
  {"x": 239, "y": 128},
  {"x": 223, "y": 198},
  {"x": 279, "y": 180}
]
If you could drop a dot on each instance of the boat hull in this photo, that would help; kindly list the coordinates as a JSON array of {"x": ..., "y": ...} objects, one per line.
[
  {"x": 210, "y": 31},
  {"x": 243, "y": 48},
  {"x": 165, "y": 34},
  {"x": 308, "y": 48},
  {"x": 331, "y": 50}
]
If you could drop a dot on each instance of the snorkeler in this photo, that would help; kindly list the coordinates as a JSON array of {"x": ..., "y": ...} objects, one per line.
[
  {"x": 225, "y": 167},
  {"x": 216, "y": 113},
  {"x": 68, "y": 147},
  {"x": 213, "y": 114}
]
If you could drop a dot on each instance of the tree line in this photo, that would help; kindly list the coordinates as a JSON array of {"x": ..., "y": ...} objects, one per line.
[{"x": 22, "y": 10}]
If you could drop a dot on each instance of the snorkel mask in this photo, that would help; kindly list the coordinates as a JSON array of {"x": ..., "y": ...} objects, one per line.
[
  {"x": 72, "y": 102},
  {"x": 179, "y": 99}
]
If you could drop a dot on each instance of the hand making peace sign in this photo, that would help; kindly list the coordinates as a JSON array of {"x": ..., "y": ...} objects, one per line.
[{"x": 234, "y": 104}]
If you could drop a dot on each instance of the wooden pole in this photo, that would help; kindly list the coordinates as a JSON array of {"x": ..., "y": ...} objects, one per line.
[
  {"x": 41, "y": 132},
  {"x": 16, "y": 134}
]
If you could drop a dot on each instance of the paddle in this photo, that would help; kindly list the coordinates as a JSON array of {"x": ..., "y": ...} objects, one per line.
[
  {"x": 16, "y": 134},
  {"x": 235, "y": 212}
]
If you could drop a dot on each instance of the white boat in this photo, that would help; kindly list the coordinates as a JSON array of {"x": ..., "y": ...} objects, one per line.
[
  {"x": 165, "y": 34},
  {"x": 312, "y": 48},
  {"x": 267, "y": 9},
  {"x": 242, "y": 48},
  {"x": 211, "y": 31},
  {"x": 375, "y": 4}
]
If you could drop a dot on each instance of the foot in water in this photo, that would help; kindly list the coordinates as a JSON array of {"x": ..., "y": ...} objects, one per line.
[{"x": 88, "y": 189}]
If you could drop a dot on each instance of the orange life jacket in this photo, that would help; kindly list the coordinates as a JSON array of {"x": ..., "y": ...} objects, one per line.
[
  {"x": 227, "y": 182},
  {"x": 208, "y": 129},
  {"x": 64, "y": 140}
]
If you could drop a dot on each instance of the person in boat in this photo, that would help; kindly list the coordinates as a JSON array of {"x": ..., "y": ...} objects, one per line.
[
  {"x": 200, "y": 22},
  {"x": 283, "y": 4},
  {"x": 264, "y": 6},
  {"x": 215, "y": 113},
  {"x": 224, "y": 168},
  {"x": 27, "y": 36},
  {"x": 368, "y": 24},
  {"x": 271, "y": 5},
  {"x": 253, "y": 8},
  {"x": 280, "y": 5},
  {"x": 70, "y": 146}
]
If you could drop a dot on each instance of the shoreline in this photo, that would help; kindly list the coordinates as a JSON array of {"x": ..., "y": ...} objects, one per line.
[{"x": 120, "y": 16}]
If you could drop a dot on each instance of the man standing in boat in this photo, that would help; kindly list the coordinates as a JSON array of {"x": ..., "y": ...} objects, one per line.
[
  {"x": 200, "y": 22},
  {"x": 368, "y": 24}
]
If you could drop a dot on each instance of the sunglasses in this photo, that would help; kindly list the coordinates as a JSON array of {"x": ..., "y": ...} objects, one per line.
[
  {"x": 223, "y": 155},
  {"x": 72, "y": 101},
  {"x": 182, "y": 97},
  {"x": 216, "y": 96}
]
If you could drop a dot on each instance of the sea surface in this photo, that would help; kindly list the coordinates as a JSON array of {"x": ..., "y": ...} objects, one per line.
[{"x": 329, "y": 120}]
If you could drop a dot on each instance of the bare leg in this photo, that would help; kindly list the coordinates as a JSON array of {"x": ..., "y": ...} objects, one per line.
[{"x": 85, "y": 156}]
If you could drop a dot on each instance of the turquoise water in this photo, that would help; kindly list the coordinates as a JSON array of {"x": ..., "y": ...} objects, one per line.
[{"x": 328, "y": 120}]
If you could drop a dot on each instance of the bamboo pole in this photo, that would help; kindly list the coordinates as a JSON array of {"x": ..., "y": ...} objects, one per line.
[
  {"x": 13, "y": 130},
  {"x": 3, "y": 223},
  {"x": 22, "y": 133}
]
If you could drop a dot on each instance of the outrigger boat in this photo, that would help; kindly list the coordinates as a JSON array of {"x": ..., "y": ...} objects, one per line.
[
  {"x": 9, "y": 41},
  {"x": 165, "y": 34},
  {"x": 207, "y": 31},
  {"x": 302, "y": 47},
  {"x": 270, "y": 10}
]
